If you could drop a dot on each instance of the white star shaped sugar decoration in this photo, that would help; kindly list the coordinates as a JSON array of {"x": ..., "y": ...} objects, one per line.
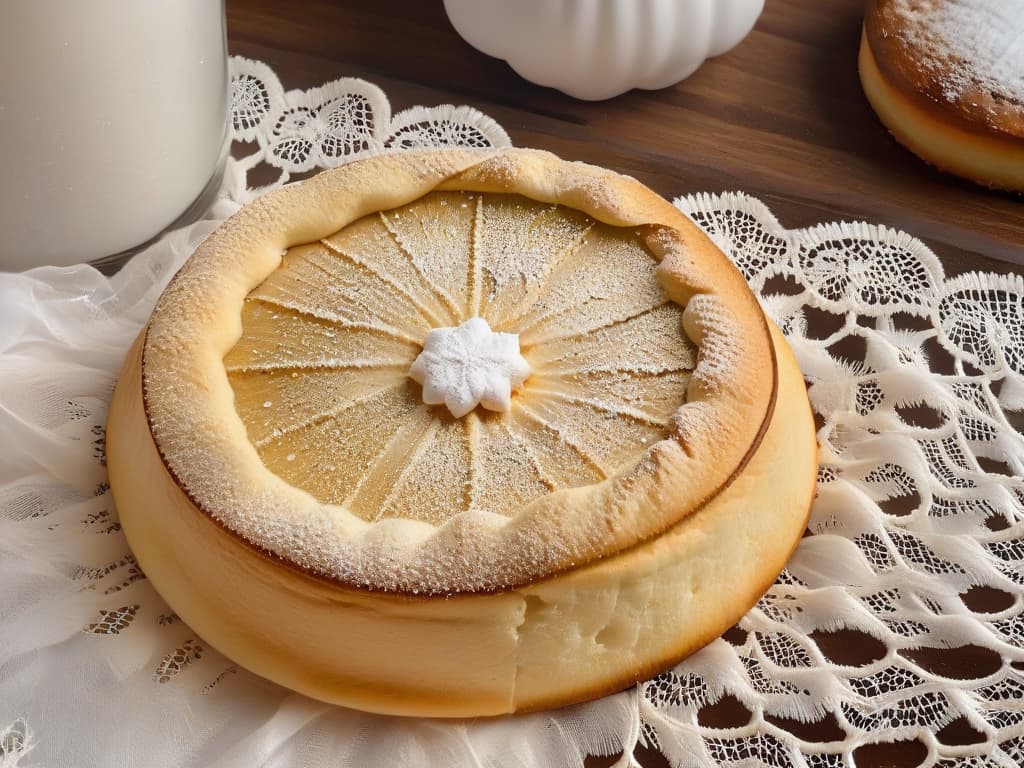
[{"x": 470, "y": 365}]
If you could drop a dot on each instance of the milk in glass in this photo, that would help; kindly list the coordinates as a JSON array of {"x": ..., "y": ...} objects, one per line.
[{"x": 113, "y": 123}]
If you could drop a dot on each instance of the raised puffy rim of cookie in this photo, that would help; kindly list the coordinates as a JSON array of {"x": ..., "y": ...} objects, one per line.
[{"x": 203, "y": 442}]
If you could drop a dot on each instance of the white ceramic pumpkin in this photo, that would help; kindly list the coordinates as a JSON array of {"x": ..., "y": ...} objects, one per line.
[{"x": 596, "y": 49}]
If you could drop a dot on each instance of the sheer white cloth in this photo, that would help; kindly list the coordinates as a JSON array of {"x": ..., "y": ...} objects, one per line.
[{"x": 918, "y": 381}]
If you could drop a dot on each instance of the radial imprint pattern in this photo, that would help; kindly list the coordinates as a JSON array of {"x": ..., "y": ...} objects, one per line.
[{"x": 320, "y": 372}]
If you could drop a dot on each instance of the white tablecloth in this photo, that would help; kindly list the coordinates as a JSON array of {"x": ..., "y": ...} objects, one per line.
[{"x": 918, "y": 381}]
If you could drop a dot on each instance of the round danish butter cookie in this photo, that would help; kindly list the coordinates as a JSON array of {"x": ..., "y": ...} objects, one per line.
[{"x": 460, "y": 433}]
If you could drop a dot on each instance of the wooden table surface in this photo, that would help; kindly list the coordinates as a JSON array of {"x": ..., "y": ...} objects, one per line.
[{"x": 781, "y": 117}]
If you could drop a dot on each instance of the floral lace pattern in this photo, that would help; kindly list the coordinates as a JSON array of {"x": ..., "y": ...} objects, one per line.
[
  {"x": 916, "y": 382},
  {"x": 899, "y": 618},
  {"x": 299, "y": 131}
]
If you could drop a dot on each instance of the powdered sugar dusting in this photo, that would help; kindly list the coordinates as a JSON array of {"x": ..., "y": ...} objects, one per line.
[
  {"x": 347, "y": 472},
  {"x": 977, "y": 45},
  {"x": 586, "y": 293},
  {"x": 334, "y": 340},
  {"x": 437, "y": 233},
  {"x": 710, "y": 321},
  {"x": 520, "y": 243}
]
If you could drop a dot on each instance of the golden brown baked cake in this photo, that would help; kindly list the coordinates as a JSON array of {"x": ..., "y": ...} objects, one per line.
[
  {"x": 460, "y": 433},
  {"x": 947, "y": 78}
]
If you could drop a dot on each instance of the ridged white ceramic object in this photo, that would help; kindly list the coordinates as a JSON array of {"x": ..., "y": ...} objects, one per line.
[{"x": 596, "y": 49}]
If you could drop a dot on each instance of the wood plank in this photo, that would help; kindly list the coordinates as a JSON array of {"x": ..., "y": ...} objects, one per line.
[{"x": 781, "y": 116}]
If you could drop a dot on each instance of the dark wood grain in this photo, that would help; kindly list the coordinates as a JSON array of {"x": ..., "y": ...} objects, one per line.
[{"x": 781, "y": 117}]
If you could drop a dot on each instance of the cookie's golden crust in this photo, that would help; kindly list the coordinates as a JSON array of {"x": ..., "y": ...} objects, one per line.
[
  {"x": 200, "y": 437},
  {"x": 583, "y": 634}
]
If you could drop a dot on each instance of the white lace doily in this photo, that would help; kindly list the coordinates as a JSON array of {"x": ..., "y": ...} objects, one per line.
[{"x": 918, "y": 383}]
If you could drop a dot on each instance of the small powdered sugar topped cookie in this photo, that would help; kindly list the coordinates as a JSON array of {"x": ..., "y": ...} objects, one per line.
[{"x": 947, "y": 78}]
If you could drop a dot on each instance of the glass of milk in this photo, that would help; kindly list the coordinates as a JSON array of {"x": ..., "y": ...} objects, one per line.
[{"x": 113, "y": 124}]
